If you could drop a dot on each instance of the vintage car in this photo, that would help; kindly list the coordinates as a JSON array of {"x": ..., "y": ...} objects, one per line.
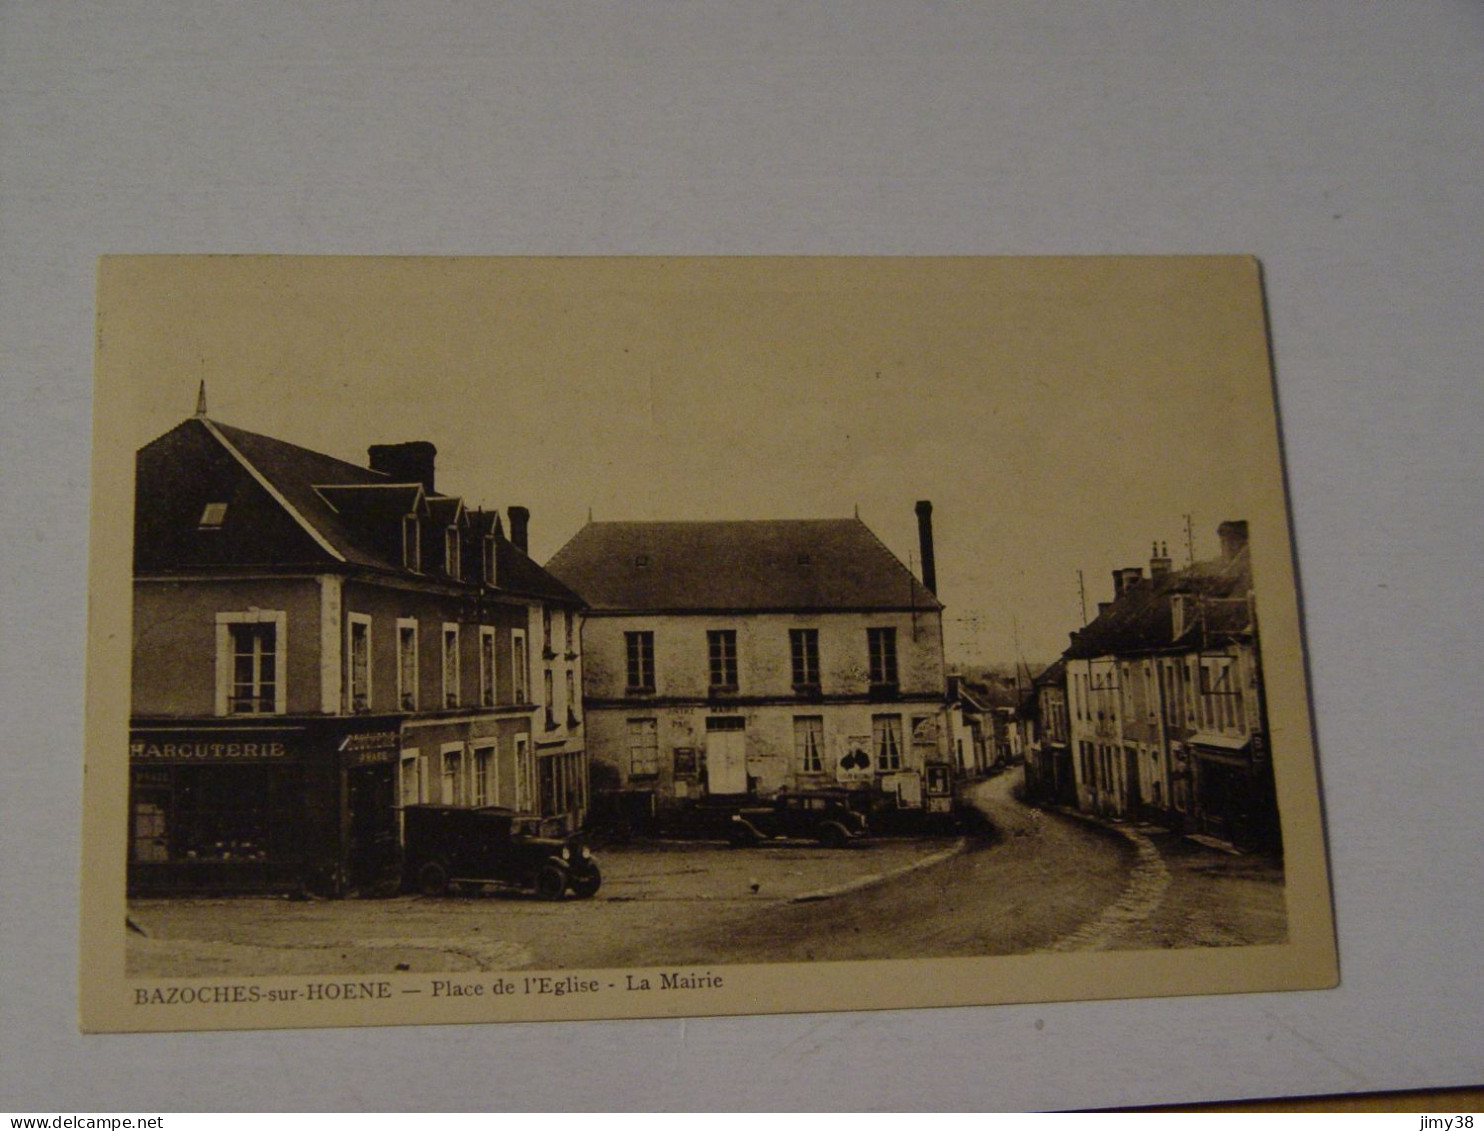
[
  {"x": 822, "y": 815},
  {"x": 444, "y": 846}
]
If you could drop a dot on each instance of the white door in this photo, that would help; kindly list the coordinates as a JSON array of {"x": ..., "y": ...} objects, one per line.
[{"x": 726, "y": 761}]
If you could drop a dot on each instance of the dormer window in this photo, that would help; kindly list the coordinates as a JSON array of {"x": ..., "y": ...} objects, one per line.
[
  {"x": 641, "y": 561},
  {"x": 412, "y": 555},
  {"x": 489, "y": 559},
  {"x": 451, "y": 551},
  {"x": 1180, "y": 614},
  {"x": 213, "y": 516}
]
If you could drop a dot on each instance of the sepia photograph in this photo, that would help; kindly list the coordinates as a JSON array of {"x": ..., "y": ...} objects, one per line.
[{"x": 507, "y": 639}]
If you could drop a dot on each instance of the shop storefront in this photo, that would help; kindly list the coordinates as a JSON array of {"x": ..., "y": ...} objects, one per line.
[{"x": 234, "y": 807}]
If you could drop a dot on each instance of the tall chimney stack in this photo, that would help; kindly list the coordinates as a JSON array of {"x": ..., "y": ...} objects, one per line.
[
  {"x": 411, "y": 462},
  {"x": 925, "y": 537},
  {"x": 1126, "y": 579},
  {"x": 1233, "y": 537},
  {"x": 1159, "y": 561},
  {"x": 520, "y": 525}
]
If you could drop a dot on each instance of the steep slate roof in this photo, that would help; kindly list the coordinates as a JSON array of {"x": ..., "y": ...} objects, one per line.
[
  {"x": 751, "y": 566},
  {"x": 291, "y": 506},
  {"x": 1142, "y": 618}
]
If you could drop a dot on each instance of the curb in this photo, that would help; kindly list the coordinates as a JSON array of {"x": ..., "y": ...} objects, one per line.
[{"x": 870, "y": 881}]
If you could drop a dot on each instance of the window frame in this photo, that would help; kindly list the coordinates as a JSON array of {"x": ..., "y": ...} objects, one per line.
[
  {"x": 412, "y": 756},
  {"x": 412, "y": 543},
  {"x": 488, "y": 693},
  {"x": 352, "y": 622},
  {"x": 809, "y": 755},
  {"x": 487, "y": 560},
  {"x": 639, "y": 660},
  {"x": 520, "y": 666},
  {"x": 481, "y": 767},
  {"x": 881, "y": 649},
  {"x": 452, "y": 752},
  {"x": 452, "y": 697},
  {"x": 652, "y": 760},
  {"x": 886, "y": 760},
  {"x": 452, "y": 551},
  {"x": 721, "y": 659},
  {"x": 407, "y": 696},
  {"x": 803, "y": 655},
  {"x": 226, "y": 657}
]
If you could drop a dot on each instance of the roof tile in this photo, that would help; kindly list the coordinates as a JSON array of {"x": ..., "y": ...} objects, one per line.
[{"x": 742, "y": 565}]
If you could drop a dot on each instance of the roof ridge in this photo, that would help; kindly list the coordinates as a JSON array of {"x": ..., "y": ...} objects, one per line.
[{"x": 359, "y": 467}]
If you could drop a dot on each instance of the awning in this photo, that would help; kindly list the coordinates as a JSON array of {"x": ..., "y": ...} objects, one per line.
[{"x": 1226, "y": 743}]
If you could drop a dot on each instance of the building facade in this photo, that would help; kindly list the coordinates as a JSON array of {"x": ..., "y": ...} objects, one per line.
[
  {"x": 745, "y": 658},
  {"x": 1050, "y": 778},
  {"x": 1164, "y": 701},
  {"x": 317, "y": 643}
]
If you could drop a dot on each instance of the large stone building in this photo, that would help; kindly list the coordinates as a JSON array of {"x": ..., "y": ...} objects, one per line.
[
  {"x": 317, "y": 642},
  {"x": 743, "y": 658}
]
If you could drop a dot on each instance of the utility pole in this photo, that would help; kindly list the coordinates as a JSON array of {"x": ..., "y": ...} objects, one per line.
[
  {"x": 1082, "y": 596},
  {"x": 1189, "y": 542}
]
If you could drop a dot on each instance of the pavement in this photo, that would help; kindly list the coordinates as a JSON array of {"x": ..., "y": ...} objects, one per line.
[
  {"x": 650, "y": 891},
  {"x": 1038, "y": 881}
]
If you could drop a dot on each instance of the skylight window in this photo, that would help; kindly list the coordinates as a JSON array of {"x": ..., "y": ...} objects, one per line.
[{"x": 213, "y": 516}]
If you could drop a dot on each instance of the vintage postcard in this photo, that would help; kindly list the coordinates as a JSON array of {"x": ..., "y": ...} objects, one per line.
[{"x": 509, "y": 639}]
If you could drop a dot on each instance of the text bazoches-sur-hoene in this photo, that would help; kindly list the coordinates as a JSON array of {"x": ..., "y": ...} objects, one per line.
[{"x": 538, "y": 985}]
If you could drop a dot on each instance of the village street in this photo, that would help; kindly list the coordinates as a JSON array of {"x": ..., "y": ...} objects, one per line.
[{"x": 1040, "y": 881}]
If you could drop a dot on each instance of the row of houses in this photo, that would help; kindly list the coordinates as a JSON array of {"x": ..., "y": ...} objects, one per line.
[
  {"x": 317, "y": 644},
  {"x": 1155, "y": 711}
]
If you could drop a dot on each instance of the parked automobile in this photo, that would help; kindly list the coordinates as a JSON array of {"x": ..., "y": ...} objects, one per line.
[
  {"x": 822, "y": 815},
  {"x": 444, "y": 846}
]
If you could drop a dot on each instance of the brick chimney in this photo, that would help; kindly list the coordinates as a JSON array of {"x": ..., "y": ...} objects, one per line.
[
  {"x": 520, "y": 527},
  {"x": 1159, "y": 561},
  {"x": 925, "y": 537},
  {"x": 411, "y": 462},
  {"x": 1233, "y": 537}
]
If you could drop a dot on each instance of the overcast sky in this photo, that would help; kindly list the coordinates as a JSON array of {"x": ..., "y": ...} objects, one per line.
[{"x": 1060, "y": 414}]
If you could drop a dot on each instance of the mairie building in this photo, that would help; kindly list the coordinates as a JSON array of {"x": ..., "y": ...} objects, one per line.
[{"x": 741, "y": 658}]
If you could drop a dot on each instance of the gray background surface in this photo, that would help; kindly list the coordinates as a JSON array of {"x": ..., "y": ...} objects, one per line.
[{"x": 1340, "y": 142}]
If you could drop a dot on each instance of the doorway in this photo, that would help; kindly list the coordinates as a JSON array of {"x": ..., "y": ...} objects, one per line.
[{"x": 726, "y": 755}]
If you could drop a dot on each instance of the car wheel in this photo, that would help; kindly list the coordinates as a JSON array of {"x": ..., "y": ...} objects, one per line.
[
  {"x": 833, "y": 836},
  {"x": 586, "y": 886},
  {"x": 739, "y": 836},
  {"x": 551, "y": 882},
  {"x": 432, "y": 878}
]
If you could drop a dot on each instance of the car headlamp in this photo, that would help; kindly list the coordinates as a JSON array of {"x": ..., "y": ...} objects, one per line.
[{"x": 566, "y": 853}]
